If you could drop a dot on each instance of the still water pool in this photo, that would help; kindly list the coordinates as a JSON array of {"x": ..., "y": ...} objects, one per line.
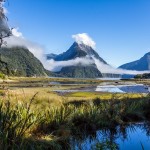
[{"x": 132, "y": 137}]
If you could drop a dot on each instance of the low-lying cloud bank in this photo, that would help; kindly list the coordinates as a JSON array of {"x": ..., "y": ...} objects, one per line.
[
  {"x": 56, "y": 66},
  {"x": 39, "y": 51},
  {"x": 104, "y": 68},
  {"x": 85, "y": 61}
]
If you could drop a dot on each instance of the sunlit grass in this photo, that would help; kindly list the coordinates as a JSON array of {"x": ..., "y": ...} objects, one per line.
[{"x": 104, "y": 96}]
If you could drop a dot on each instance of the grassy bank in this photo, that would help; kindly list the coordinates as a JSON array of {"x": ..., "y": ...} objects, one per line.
[{"x": 25, "y": 127}]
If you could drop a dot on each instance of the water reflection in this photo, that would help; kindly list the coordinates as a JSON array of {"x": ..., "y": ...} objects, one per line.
[
  {"x": 137, "y": 88},
  {"x": 134, "y": 136},
  {"x": 110, "y": 88}
]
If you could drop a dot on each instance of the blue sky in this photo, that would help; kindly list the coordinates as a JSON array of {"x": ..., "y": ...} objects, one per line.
[{"x": 120, "y": 28}]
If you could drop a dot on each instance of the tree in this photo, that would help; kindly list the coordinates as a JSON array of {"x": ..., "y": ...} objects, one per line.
[{"x": 4, "y": 28}]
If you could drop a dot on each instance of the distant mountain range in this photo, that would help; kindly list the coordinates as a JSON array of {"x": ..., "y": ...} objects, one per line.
[
  {"x": 140, "y": 65},
  {"x": 19, "y": 61},
  {"x": 79, "y": 70}
]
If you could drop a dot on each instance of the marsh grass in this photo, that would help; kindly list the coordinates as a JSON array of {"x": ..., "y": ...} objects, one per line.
[
  {"x": 14, "y": 122},
  {"x": 17, "y": 125},
  {"x": 24, "y": 125}
]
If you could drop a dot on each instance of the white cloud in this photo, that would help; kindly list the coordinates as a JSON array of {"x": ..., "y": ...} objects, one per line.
[
  {"x": 18, "y": 40},
  {"x": 16, "y": 33},
  {"x": 57, "y": 65},
  {"x": 83, "y": 38}
]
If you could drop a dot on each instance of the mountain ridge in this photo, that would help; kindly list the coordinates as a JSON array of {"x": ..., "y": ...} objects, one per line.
[
  {"x": 79, "y": 51},
  {"x": 141, "y": 64},
  {"x": 19, "y": 61},
  {"x": 76, "y": 50}
]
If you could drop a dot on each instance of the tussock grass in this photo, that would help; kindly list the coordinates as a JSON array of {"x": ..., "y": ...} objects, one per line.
[{"x": 17, "y": 125}]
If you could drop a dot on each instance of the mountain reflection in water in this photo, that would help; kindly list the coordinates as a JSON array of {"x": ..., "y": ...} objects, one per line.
[{"x": 137, "y": 88}]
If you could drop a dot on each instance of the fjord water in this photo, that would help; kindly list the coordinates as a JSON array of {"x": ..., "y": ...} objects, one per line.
[{"x": 132, "y": 137}]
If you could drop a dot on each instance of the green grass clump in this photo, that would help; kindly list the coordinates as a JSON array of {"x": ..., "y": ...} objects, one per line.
[
  {"x": 17, "y": 124},
  {"x": 14, "y": 122},
  {"x": 2, "y": 76}
]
